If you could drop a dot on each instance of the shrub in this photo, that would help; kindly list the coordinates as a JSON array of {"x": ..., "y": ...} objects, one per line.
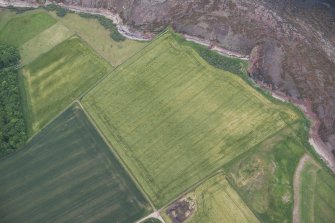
[
  {"x": 61, "y": 12},
  {"x": 107, "y": 23}
]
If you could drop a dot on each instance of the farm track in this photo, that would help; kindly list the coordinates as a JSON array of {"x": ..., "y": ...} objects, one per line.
[
  {"x": 296, "y": 186},
  {"x": 155, "y": 214},
  {"x": 119, "y": 158}
]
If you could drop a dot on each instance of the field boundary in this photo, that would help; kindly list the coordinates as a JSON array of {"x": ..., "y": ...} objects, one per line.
[
  {"x": 25, "y": 93},
  {"x": 115, "y": 153},
  {"x": 73, "y": 35},
  {"x": 114, "y": 70},
  {"x": 25, "y": 79},
  {"x": 219, "y": 170}
]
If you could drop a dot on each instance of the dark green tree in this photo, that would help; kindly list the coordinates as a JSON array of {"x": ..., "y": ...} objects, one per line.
[{"x": 12, "y": 125}]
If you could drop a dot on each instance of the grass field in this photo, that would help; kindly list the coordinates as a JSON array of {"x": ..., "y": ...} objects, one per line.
[
  {"x": 264, "y": 177},
  {"x": 99, "y": 38},
  {"x": 174, "y": 119},
  {"x": 56, "y": 78},
  {"x": 68, "y": 174},
  {"x": 317, "y": 194},
  {"x": 217, "y": 202},
  {"x": 5, "y": 16},
  {"x": 22, "y": 28},
  {"x": 43, "y": 42}
]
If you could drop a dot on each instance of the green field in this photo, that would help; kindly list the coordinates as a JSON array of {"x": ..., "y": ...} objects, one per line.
[
  {"x": 22, "y": 28},
  {"x": 317, "y": 194},
  {"x": 99, "y": 38},
  {"x": 58, "y": 77},
  {"x": 216, "y": 202},
  {"x": 264, "y": 177},
  {"x": 5, "y": 16},
  {"x": 174, "y": 119},
  {"x": 68, "y": 174},
  {"x": 43, "y": 42}
]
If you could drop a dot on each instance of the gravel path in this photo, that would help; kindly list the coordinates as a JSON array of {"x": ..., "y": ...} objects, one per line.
[{"x": 152, "y": 215}]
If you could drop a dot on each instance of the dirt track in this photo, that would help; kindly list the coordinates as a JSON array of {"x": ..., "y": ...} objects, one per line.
[{"x": 296, "y": 186}]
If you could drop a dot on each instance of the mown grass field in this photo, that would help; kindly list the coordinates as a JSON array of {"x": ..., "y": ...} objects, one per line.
[
  {"x": 24, "y": 27},
  {"x": 317, "y": 194},
  {"x": 217, "y": 202},
  {"x": 174, "y": 119},
  {"x": 58, "y": 77},
  {"x": 68, "y": 174},
  {"x": 43, "y": 42},
  {"x": 99, "y": 38}
]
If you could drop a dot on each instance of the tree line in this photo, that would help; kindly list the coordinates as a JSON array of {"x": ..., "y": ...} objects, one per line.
[{"x": 13, "y": 132}]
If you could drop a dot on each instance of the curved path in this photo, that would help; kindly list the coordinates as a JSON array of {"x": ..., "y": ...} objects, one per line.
[{"x": 296, "y": 186}]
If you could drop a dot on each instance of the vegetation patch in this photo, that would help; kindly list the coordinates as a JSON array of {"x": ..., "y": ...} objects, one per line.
[
  {"x": 24, "y": 27},
  {"x": 233, "y": 65},
  {"x": 108, "y": 24},
  {"x": 317, "y": 194},
  {"x": 12, "y": 125},
  {"x": 98, "y": 37},
  {"x": 60, "y": 11},
  {"x": 216, "y": 202},
  {"x": 67, "y": 173},
  {"x": 174, "y": 119},
  {"x": 19, "y": 10},
  {"x": 58, "y": 77}
]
